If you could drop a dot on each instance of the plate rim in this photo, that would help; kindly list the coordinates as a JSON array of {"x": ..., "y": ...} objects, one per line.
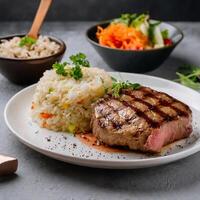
[{"x": 129, "y": 163}]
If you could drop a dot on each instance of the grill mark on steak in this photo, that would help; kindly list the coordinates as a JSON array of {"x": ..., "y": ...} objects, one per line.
[
  {"x": 140, "y": 113},
  {"x": 165, "y": 116},
  {"x": 166, "y": 103},
  {"x": 146, "y": 93},
  {"x": 115, "y": 124}
]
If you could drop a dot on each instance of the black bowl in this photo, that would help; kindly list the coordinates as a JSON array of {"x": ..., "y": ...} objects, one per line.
[
  {"x": 132, "y": 60},
  {"x": 28, "y": 71}
]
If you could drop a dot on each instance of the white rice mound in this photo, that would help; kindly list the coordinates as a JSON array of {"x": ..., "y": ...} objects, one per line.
[
  {"x": 42, "y": 48},
  {"x": 61, "y": 103}
]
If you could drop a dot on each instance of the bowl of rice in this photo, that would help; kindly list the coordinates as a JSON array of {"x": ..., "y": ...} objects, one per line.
[{"x": 23, "y": 60}]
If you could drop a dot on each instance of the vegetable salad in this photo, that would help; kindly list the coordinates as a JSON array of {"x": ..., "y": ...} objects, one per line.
[{"x": 133, "y": 32}]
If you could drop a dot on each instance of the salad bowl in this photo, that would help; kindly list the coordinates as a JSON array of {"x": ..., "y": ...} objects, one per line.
[{"x": 138, "y": 61}]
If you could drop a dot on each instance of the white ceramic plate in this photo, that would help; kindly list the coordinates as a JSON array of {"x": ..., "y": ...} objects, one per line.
[{"x": 65, "y": 147}]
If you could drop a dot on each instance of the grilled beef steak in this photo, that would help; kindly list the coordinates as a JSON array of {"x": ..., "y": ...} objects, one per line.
[{"x": 142, "y": 119}]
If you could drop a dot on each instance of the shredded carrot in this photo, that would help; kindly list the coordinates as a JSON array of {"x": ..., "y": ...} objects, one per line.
[
  {"x": 121, "y": 36},
  {"x": 46, "y": 115}
]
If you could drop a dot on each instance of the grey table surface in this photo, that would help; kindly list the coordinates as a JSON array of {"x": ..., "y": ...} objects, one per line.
[{"x": 40, "y": 177}]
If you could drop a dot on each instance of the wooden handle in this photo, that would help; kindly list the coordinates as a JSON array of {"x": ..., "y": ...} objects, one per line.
[
  {"x": 8, "y": 165},
  {"x": 39, "y": 18}
]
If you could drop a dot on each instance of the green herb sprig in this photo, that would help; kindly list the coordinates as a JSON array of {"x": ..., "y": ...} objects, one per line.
[
  {"x": 77, "y": 61},
  {"x": 119, "y": 85},
  {"x": 80, "y": 59},
  {"x": 27, "y": 41},
  {"x": 189, "y": 76},
  {"x": 76, "y": 72},
  {"x": 60, "y": 68}
]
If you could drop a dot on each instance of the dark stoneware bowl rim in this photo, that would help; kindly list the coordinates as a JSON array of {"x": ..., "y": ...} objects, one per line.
[
  {"x": 55, "y": 39},
  {"x": 134, "y": 51}
]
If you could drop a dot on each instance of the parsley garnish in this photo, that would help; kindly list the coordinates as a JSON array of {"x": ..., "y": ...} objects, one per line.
[
  {"x": 189, "y": 76},
  {"x": 76, "y": 72},
  {"x": 118, "y": 86},
  {"x": 27, "y": 41},
  {"x": 60, "y": 68},
  {"x": 79, "y": 60}
]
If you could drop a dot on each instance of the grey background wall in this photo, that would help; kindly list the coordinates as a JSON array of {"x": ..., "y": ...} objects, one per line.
[{"x": 67, "y": 10}]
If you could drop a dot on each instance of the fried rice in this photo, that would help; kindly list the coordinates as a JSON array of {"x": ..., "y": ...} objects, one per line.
[{"x": 61, "y": 103}]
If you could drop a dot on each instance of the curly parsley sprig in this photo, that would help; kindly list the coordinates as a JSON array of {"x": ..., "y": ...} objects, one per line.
[
  {"x": 117, "y": 86},
  {"x": 60, "y": 68},
  {"x": 76, "y": 72},
  {"x": 77, "y": 61},
  {"x": 80, "y": 59}
]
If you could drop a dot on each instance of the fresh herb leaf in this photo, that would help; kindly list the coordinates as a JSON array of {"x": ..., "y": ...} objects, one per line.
[
  {"x": 184, "y": 80},
  {"x": 76, "y": 72},
  {"x": 189, "y": 76},
  {"x": 134, "y": 86},
  {"x": 80, "y": 59},
  {"x": 27, "y": 41},
  {"x": 165, "y": 34},
  {"x": 188, "y": 69},
  {"x": 118, "y": 86},
  {"x": 60, "y": 68}
]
